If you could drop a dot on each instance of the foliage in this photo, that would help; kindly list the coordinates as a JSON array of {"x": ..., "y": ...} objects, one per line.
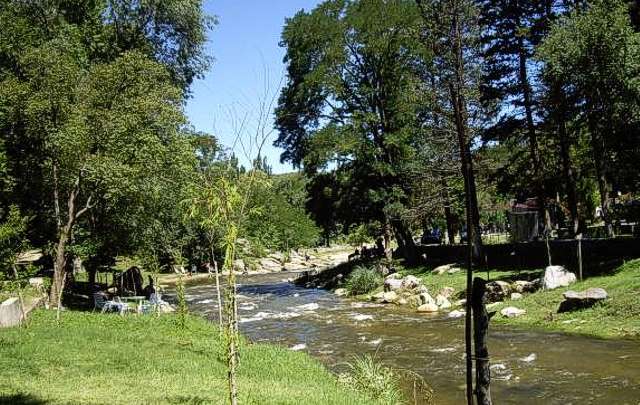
[
  {"x": 12, "y": 240},
  {"x": 182, "y": 310},
  {"x": 371, "y": 377},
  {"x": 363, "y": 280}
]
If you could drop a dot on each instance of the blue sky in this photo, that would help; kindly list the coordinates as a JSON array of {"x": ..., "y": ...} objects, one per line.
[{"x": 248, "y": 68}]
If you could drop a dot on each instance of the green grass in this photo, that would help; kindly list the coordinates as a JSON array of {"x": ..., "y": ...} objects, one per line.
[
  {"x": 363, "y": 280},
  {"x": 617, "y": 317},
  {"x": 101, "y": 358}
]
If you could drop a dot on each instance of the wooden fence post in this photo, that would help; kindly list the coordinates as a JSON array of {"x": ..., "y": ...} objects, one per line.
[{"x": 480, "y": 334}]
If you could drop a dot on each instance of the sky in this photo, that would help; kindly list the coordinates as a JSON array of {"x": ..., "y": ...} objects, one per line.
[{"x": 247, "y": 72}]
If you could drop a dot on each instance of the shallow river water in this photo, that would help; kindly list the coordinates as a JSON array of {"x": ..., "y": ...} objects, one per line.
[{"x": 527, "y": 367}]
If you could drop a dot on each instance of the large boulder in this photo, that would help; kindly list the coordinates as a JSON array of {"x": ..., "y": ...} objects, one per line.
[
  {"x": 584, "y": 299},
  {"x": 497, "y": 290},
  {"x": 392, "y": 284},
  {"x": 512, "y": 312},
  {"x": 428, "y": 308},
  {"x": 557, "y": 276},
  {"x": 340, "y": 292},
  {"x": 446, "y": 268},
  {"x": 10, "y": 312}
]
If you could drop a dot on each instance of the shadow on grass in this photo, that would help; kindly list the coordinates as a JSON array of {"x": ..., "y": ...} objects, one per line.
[{"x": 21, "y": 399}]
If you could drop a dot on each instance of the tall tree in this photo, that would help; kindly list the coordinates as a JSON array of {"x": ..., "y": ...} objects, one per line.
[
  {"x": 350, "y": 102},
  {"x": 594, "y": 53}
]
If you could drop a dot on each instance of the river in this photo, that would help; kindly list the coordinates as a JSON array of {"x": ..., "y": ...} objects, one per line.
[{"x": 527, "y": 367}]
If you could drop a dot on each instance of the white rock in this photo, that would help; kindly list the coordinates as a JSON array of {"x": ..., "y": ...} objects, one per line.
[
  {"x": 393, "y": 276},
  {"x": 299, "y": 346},
  {"x": 402, "y": 301},
  {"x": 425, "y": 298},
  {"x": 442, "y": 269},
  {"x": 516, "y": 296},
  {"x": 456, "y": 314},
  {"x": 442, "y": 302},
  {"x": 529, "y": 358},
  {"x": 512, "y": 312},
  {"x": 557, "y": 276},
  {"x": 340, "y": 292},
  {"x": 392, "y": 284}
]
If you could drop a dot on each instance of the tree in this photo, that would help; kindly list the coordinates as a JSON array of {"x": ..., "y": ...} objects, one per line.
[
  {"x": 594, "y": 54},
  {"x": 350, "y": 102}
]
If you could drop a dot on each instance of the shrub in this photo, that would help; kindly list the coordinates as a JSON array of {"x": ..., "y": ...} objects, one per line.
[
  {"x": 362, "y": 280},
  {"x": 372, "y": 378}
]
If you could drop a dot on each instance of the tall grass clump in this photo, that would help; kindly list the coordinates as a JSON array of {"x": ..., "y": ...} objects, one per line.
[
  {"x": 182, "y": 304},
  {"x": 373, "y": 379},
  {"x": 363, "y": 280}
]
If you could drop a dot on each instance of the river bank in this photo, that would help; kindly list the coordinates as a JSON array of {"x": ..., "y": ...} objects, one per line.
[
  {"x": 94, "y": 358},
  {"x": 617, "y": 317},
  {"x": 528, "y": 365}
]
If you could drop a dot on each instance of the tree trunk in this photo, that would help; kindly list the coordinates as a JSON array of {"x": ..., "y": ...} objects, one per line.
[
  {"x": 567, "y": 171},
  {"x": 405, "y": 242},
  {"x": 388, "y": 253},
  {"x": 480, "y": 333},
  {"x": 447, "y": 213},
  {"x": 534, "y": 148},
  {"x": 599, "y": 156}
]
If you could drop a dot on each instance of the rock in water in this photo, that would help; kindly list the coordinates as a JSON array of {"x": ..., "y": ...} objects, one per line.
[
  {"x": 428, "y": 308},
  {"x": 557, "y": 276},
  {"x": 340, "y": 292},
  {"x": 578, "y": 300},
  {"x": 512, "y": 312},
  {"x": 456, "y": 314}
]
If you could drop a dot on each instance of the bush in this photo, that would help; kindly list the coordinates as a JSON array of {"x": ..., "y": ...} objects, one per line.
[
  {"x": 362, "y": 280},
  {"x": 372, "y": 378}
]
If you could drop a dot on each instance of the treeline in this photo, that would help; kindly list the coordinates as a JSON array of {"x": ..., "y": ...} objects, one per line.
[
  {"x": 398, "y": 110},
  {"x": 97, "y": 158}
]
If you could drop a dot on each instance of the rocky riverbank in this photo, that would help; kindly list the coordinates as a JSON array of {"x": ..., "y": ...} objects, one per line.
[{"x": 551, "y": 298}]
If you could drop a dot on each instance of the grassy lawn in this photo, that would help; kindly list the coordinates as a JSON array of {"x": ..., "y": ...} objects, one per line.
[
  {"x": 101, "y": 358},
  {"x": 618, "y": 317}
]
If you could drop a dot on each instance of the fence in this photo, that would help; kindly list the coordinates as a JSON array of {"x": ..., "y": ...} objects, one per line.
[{"x": 597, "y": 254}]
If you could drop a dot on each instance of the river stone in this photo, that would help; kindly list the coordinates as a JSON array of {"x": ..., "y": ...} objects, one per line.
[
  {"x": 442, "y": 269},
  {"x": 428, "y": 308},
  {"x": 454, "y": 270},
  {"x": 522, "y": 286},
  {"x": 512, "y": 312},
  {"x": 497, "y": 290},
  {"x": 394, "y": 276},
  {"x": 557, "y": 276},
  {"x": 402, "y": 301},
  {"x": 392, "y": 284},
  {"x": 584, "y": 299},
  {"x": 422, "y": 289},
  {"x": 340, "y": 292},
  {"x": 414, "y": 301},
  {"x": 516, "y": 296},
  {"x": 410, "y": 282},
  {"x": 456, "y": 314},
  {"x": 425, "y": 298},
  {"x": 446, "y": 292},
  {"x": 36, "y": 282},
  {"x": 378, "y": 296},
  {"x": 389, "y": 297},
  {"x": 442, "y": 302},
  {"x": 238, "y": 265}
]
